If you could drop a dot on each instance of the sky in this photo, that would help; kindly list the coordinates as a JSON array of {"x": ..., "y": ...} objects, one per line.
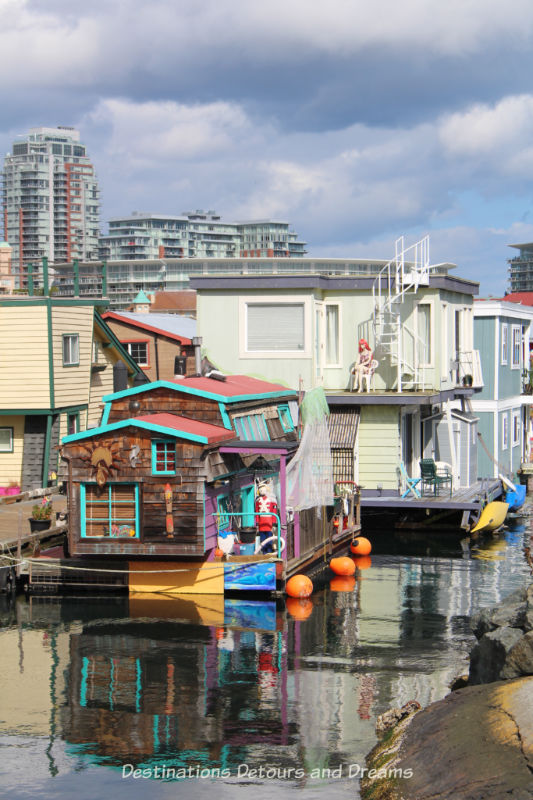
[{"x": 357, "y": 121}]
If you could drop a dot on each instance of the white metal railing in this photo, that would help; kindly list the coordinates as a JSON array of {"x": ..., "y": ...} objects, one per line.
[
  {"x": 401, "y": 276},
  {"x": 469, "y": 365}
]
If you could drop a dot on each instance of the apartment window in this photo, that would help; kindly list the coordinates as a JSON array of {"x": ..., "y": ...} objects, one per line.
[
  {"x": 111, "y": 512},
  {"x": 516, "y": 428},
  {"x": 251, "y": 427},
  {"x": 505, "y": 431},
  {"x": 73, "y": 423},
  {"x": 505, "y": 344},
  {"x": 139, "y": 352},
  {"x": 277, "y": 327},
  {"x": 163, "y": 457},
  {"x": 71, "y": 349},
  {"x": 6, "y": 440},
  {"x": 332, "y": 334},
  {"x": 516, "y": 344}
]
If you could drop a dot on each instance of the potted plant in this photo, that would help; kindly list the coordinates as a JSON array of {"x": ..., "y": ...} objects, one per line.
[
  {"x": 41, "y": 515},
  {"x": 467, "y": 381}
]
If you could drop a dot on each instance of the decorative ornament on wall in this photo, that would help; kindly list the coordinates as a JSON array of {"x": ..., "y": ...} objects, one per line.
[
  {"x": 103, "y": 461},
  {"x": 134, "y": 455}
]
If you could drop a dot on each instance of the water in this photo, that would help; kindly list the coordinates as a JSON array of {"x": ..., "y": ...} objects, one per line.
[{"x": 93, "y": 689}]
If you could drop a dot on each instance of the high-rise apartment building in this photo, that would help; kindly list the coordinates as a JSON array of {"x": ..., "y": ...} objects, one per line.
[
  {"x": 521, "y": 268},
  {"x": 196, "y": 234},
  {"x": 50, "y": 199}
]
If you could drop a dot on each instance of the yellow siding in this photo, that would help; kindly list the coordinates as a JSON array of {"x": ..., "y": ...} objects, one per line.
[
  {"x": 24, "y": 378},
  {"x": 71, "y": 384},
  {"x": 379, "y": 446},
  {"x": 11, "y": 463},
  {"x": 101, "y": 384}
]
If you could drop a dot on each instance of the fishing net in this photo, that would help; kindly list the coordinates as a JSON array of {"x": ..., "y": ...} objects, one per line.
[{"x": 310, "y": 473}]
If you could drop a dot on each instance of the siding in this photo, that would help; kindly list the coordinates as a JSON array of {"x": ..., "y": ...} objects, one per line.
[
  {"x": 484, "y": 342},
  {"x": 379, "y": 446},
  {"x": 24, "y": 379},
  {"x": 11, "y": 463},
  {"x": 71, "y": 384},
  {"x": 486, "y": 468}
]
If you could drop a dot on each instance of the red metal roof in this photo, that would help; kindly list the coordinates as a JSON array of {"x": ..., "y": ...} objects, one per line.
[
  {"x": 234, "y": 385},
  {"x": 526, "y": 298},
  {"x": 213, "y": 433}
]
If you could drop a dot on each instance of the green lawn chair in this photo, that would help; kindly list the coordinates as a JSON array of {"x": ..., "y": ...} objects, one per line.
[{"x": 432, "y": 477}]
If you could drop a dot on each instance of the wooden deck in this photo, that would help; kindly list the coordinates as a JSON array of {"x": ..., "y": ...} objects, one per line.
[{"x": 472, "y": 498}]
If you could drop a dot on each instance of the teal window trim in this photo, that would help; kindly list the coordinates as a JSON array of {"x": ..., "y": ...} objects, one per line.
[
  {"x": 223, "y": 521},
  {"x": 10, "y": 447},
  {"x": 248, "y": 505},
  {"x": 285, "y": 418},
  {"x": 169, "y": 455},
  {"x": 110, "y": 503},
  {"x": 252, "y": 427},
  {"x": 73, "y": 337}
]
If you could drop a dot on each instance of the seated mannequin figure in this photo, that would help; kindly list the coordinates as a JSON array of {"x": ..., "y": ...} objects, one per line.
[{"x": 363, "y": 365}]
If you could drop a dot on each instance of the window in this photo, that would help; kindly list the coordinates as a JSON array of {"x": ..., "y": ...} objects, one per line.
[
  {"x": 111, "y": 512},
  {"x": 285, "y": 418},
  {"x": 6, "y": 440},
  {"x": 73, "y": 423},
  {"x": 516, "y": 344},
  {"x": 505, "y": 344},
  {"x": 423, "y": 312},
  {"x": 139, "y": 352},
  {"x": 332, "y": 334},
  {"x": 275, "y": 327},
  {"x": 163, "y": 457},
  {"x": 251, "y": 427},
  {"x": 516, "y": 427},
  {"x": 71, "y": 349},
  {"x": 505, "y": 431}
]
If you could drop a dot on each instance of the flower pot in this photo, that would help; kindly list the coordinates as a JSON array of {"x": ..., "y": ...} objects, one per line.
[
  {"x": 3, "y": 491},
  {"x": 13, "y": 490},
  {"x": 39, "y": 524}
]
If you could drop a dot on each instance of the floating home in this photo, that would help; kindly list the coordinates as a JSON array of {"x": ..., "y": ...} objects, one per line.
[{"x": 173, "y": 468}]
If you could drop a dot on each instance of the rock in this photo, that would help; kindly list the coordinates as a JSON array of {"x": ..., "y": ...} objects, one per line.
[
  {"x": 528, "y": 620},
  {"x": 385, "y": 722},
  {"x": 489, "y": 655},
  {"x": 459, "y": 683},
  {"x": 476, "y": 744},
  {"x": 519, "y": 660},
  {"x": 511, "y": 613}
]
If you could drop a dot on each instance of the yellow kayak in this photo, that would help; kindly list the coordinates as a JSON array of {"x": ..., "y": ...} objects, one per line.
[{"x": 492, "y": 516}]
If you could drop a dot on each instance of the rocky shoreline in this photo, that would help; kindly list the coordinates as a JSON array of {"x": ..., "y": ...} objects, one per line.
[{"x": 476, "y": 743}]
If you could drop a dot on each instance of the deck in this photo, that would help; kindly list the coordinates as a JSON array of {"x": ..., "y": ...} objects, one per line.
[{"x": 472, "y": 498}]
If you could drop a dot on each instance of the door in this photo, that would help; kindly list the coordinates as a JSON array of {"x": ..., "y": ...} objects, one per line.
[{"x": 407, "y": 443}]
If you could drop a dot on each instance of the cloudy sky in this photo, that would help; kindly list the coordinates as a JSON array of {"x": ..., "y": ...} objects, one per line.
[{"x": 356, "y": 120}]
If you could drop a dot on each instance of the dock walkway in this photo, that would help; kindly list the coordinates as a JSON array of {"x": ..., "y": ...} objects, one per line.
[{"x": 472, "y": 498}]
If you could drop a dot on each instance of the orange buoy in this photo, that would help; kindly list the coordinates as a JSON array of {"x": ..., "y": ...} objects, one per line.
[
  {"x": 342, "y": 566},
  {"x": 299, "y": 586},
  {"x": 299, "y": 607},
  {"x": 218, "y": 552},
  {"x": 363, "y": 562},
  {"x": 361, "y": 546},
  {"x": 342, "y": 583}
]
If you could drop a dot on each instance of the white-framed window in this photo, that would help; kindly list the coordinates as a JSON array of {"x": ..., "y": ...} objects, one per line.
[
  {"x": 516, "y": 427},
  {"x": 516, "y": 347},
  {"x": 505, "y": 431},
  {"x": 71, "y": 349},
  {"x": 277, "y": 328},
  {"x": 139, "y": 352},
  {"x": 424, "y": 327},
  {"x": 333, "y": 344},
  {"x": 505, "y": 345},
  {"x": 6, "y": 440}
]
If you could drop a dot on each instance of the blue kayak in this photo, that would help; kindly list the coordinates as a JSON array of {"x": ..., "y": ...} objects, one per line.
[{"x": 516, "y": 498}]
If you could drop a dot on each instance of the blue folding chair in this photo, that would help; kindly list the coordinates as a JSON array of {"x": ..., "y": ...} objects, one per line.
[{"x": 411, "y": 483}]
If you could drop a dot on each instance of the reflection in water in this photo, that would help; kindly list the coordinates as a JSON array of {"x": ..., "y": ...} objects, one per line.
[{"x": 214, "y": 684}]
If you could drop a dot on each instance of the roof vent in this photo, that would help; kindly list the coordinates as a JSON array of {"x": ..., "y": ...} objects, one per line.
[{"x": 216, "y": 375}]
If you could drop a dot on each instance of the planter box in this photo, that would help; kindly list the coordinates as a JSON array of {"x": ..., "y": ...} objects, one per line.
[
  {"x": 39, "y": 524},
  {"x": 13, "y": 490}
]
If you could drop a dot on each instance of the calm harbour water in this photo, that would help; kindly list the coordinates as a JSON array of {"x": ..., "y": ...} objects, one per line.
[{"x": 93, "y": 688}]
